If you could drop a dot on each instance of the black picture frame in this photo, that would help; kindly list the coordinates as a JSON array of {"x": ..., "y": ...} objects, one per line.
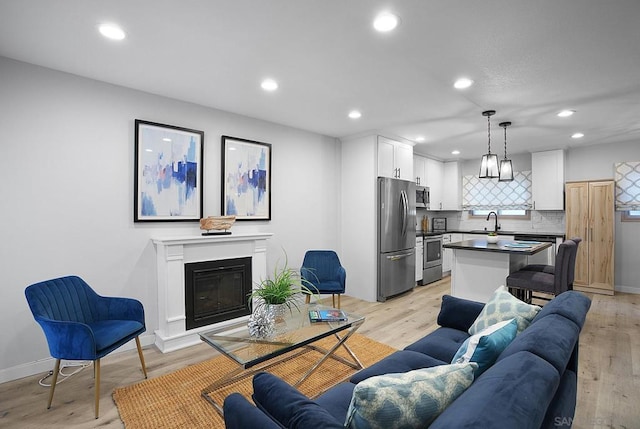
[
  {"x": 168, "y": 177},
  {"x": 246, "y": 179}
]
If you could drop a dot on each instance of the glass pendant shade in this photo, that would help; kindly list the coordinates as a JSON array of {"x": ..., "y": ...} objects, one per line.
[
  {"x": 506, "y": 171},
  {"x": 506, "y": 168},
  {"x": 489, "y": 162},
  {"x": 489, "y": 166}
]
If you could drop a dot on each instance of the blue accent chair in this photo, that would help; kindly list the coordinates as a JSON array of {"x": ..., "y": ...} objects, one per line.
[
  {"x": 322, "y": 273},
  {"x": 79, "y": 324}
]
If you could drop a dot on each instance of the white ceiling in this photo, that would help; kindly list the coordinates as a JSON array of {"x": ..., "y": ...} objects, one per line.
[{"x": 528, "y": 58}]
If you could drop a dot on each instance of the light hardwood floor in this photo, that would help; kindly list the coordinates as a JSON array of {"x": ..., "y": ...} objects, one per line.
[{"x": 609, "y": 379}]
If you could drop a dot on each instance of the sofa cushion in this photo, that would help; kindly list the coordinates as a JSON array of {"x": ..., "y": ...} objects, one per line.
[
  {"x": 513, "y": 393},
  {"x": 442, "y": 344},
  {"x": 504, "y": 306},
  {"x": 571, "y": 304},
  {"x": 407, "y": 400},
  {"x": 563, "y": 406},
  {"x": 400, "y": 361},
  {"x": 336, "y": 400},
  {"x": 288, "y": 406},
  {"x": 552, "y": 338},
  {"x": 484, "y": 347},
  {"x": 458, "y": 313}
]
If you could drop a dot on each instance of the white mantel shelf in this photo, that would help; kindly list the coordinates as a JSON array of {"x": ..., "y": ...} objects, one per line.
[{"x": 172, "y": 253}]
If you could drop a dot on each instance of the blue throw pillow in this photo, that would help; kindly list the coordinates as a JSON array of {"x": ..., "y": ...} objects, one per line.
[
  {"x": 407, "y": 400},
  {"x": 504, "y": 306},
  {"x": 484, "y": 347}
]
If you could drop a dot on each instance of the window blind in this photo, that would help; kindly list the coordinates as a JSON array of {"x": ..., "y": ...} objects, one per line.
[
  {"x": 627, "y": 175},
  {"x": 484, "y": 194}
]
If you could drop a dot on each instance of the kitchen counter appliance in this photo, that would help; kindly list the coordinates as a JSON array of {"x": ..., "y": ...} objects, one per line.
[
  {"x": 396, "y": 237},
  {"x": 432, "y": 259}
]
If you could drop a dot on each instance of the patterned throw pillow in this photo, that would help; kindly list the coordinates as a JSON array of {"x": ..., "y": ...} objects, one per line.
[
  {"x": 407, "y": 400},
  {"x": 484, "y": 347},
  {"x": 504, "y": 306}
]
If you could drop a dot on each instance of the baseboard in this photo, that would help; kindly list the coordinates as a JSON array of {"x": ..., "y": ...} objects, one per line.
[
  {"x": 628, "y": 289},
  {"x": 45, "y": 365}
]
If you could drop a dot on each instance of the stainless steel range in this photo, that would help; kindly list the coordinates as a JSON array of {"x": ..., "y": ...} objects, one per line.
[{"x": 432, "y": 260}]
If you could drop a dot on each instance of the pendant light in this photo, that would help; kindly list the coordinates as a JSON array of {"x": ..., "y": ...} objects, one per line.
[
  {"x": 506, "y": 169},
  {"x": 489, "y": 163}
]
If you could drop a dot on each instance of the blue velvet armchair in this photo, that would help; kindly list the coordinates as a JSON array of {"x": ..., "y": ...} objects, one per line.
[
  {"x": 322, "y": 273},
  {"x": 79, "y": 324}
]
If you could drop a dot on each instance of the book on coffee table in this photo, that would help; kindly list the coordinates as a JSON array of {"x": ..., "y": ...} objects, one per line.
[{"x": 330, "y": 315}]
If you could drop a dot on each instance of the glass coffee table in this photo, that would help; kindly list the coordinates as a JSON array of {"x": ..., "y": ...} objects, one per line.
[{"x": 297, "y": 333}]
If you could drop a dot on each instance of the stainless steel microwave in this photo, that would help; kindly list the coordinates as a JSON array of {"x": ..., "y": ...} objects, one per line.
[{"x": 422, "y": 197}]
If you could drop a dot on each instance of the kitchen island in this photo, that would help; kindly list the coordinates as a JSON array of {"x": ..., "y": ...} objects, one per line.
[{"x": 479, "y": 267}]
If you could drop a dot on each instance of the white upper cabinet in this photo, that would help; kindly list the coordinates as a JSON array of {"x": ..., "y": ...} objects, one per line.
[
  {"x": 418, "y": 170},
  {"x": 433, "y": 172},
  {"x": 451, "y": 186},
  {"x": 395, "y": 159},
  {"x": 547, "y": 180}
]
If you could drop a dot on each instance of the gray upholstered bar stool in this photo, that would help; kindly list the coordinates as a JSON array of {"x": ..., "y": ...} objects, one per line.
[
  {"x": 551, "y": 268},
  {"x": 530, "y": 281}
]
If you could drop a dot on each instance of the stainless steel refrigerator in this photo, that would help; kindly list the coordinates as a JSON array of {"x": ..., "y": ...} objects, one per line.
[{"x": 396, "y": 236}]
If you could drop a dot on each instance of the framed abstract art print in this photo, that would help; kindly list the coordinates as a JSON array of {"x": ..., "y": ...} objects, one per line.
[
  {"x": 246, "y": 179},
  {"x": 168, "y": 173}
]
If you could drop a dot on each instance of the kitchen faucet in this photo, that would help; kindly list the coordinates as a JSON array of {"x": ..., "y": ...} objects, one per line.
[{"x": 495, "y": 228}]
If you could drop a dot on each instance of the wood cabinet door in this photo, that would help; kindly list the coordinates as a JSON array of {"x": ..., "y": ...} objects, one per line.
[
  {"x": 577, "y": 224},
  {"x": 601, "y": 235}
]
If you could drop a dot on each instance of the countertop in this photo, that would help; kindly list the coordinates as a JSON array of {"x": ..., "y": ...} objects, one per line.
[
  {"x": 420, "y": 233},
  {"x": 502, "y": 246}
]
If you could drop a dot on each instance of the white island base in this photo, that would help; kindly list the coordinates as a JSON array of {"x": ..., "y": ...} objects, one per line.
[
  {"x": 476, "y": 275},
  {"x": 479, "y": 268}
]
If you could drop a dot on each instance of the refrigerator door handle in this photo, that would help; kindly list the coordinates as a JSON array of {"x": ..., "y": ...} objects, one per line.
[
  {"x": 401, "y": 256},
  {"x": 404, "y": 208}
]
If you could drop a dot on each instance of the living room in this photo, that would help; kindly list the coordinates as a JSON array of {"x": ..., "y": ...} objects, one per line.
[{"x": 69, "y": 172}]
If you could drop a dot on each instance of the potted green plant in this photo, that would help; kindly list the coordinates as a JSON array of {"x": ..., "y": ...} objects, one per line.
[
  {"x": 281, "y": 289},
  {"x": 492, "y": 237}
]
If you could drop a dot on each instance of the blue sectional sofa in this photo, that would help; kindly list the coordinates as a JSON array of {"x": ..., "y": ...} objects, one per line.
[{"x": 532, "y": 384}]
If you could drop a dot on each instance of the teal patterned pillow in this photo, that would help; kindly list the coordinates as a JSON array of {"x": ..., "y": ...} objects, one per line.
[
  {"x": 504, "y": 306},
  {"x": 407, "y": 400}
]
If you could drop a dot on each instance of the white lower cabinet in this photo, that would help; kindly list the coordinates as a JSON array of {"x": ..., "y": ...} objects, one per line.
[
  {"x": 447, "y": 254},
  {"x": 419, "y": 253}
]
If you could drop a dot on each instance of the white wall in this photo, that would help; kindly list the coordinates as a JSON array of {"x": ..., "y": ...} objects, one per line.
[
  {"x": 595, "y": 163},
  {"x": 67, "y": 152}
]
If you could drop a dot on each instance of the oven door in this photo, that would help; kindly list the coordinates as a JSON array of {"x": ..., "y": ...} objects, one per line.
[
  {"x": 432, "y": 251},
  {"x": 432, "y": 259}
]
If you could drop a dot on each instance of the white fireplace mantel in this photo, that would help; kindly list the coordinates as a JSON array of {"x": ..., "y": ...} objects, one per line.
[{"x": 172, "y": 253}]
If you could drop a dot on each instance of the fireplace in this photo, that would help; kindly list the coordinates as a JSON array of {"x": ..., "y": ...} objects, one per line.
[
  {"x": 216, "y": 291},
  {"x": 173, "y": 253}
]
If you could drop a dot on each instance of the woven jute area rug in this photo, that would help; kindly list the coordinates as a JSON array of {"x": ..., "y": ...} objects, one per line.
[{"x": 174, "y": 401}]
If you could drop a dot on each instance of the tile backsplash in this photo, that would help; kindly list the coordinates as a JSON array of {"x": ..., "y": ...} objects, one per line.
[{"x": 541, "y": 221}]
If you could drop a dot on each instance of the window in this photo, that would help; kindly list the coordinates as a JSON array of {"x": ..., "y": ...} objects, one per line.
[
  {"x": 631, "y": 216},
  {"x": 503, "y": 213}
]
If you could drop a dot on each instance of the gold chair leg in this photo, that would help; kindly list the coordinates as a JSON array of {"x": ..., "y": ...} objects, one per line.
[
  {"x": 307, "y": 299},
  {"x": 333, "y": 300},
  {"x": 144, "y": 367},
  {"x": 96, "y": 364},
  {"x": 338, "y": 300},
  {"x": 56, "y": 370}
]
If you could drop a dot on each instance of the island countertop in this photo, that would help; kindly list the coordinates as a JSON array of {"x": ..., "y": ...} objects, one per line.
[{"x": 502, "y": 246}]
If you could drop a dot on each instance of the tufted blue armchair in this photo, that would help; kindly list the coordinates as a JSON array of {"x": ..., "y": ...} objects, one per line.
[
  {"x": 322, "y": 272},
  {"x": 79, "y": 324}
]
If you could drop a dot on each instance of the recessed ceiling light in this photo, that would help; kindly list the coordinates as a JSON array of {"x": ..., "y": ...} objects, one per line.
[
  {"x": 455, "y": 152},
  {"x": 354, "y": 114},
  {"x": 111, "y": 31},
  {"x": 166, "y": 139},
  {"x": 420, "y": 139},
  {"x": 566, "y": 113},
  {"x": 385, "y": 22},
  {"x": 577, "y": 135},
  {"x": 462, "y": 83},
  {"x": 269, "y": 85}
]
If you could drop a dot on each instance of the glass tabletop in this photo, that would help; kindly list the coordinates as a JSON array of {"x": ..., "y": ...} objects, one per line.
[{"x": 296, "y": 331}]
